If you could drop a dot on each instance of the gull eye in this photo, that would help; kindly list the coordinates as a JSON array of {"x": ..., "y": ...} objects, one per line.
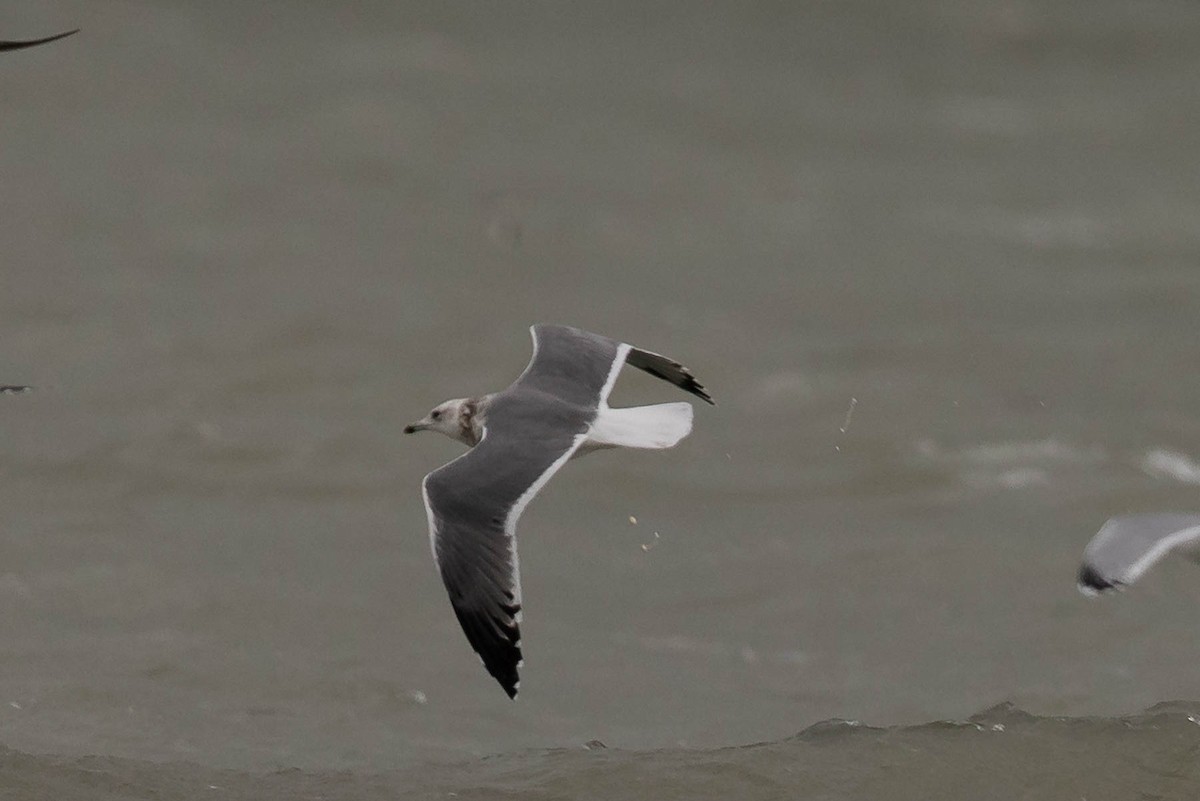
[{"x": 436, "y": 415}]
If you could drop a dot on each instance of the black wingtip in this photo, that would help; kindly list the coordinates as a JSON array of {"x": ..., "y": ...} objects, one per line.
[
  {"x": 13, "y": 389},
  {"x": 505, "y": 666},
  {"x": 21, "y": 45},
  {"x": 506, "y": 676},
  {"x": 688, "y": 384},
  {"x": 668, "y": 370},
  {"x": 497, "y": 642},
  {"x": 1092, "y": 582}
]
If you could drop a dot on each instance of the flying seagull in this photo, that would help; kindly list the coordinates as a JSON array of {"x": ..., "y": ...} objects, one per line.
[
  {"x": 34, "y": 42},
  {"x": 519, "y": 438},
  {"x": 13, "y": 389},
  {"x": 1126, "y": 547}
]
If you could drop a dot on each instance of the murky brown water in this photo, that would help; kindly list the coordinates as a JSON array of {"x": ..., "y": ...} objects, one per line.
[{"x": 244, "y": 243}]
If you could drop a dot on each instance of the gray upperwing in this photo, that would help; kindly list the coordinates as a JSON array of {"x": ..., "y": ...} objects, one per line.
[
  {"x": 571, "y": 364},
  {"x": 20, "y": 45},
  {"x": 1126, "y": 547},
  {"x": 578, "y": 366},
  {"x": 473, "y": 504}
]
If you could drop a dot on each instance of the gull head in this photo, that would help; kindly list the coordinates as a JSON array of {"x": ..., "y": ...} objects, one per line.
[{"x": 454, "y": 418}]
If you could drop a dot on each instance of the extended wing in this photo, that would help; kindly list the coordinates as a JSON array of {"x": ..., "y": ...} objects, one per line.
[{"x": 474, "y": 503}]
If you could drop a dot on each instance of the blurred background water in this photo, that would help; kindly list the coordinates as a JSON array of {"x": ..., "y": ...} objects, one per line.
[{"x": 243, "y": 244}]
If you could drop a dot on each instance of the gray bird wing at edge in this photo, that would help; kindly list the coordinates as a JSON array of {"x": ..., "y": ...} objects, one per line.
[
  {"x": 21, "y": 45},
  {"x": 576, "y": 365},
  {"x": 473, "y": 504},
  {"x": 1126, "y": 547}
]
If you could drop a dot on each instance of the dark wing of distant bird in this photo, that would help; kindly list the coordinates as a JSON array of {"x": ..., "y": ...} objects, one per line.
[{"x": 21, "y": 45}]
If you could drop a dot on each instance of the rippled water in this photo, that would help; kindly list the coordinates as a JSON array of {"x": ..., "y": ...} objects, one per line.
[
  {"x": 1001, "y": 753},
  {"x": 936, "y": 262}
]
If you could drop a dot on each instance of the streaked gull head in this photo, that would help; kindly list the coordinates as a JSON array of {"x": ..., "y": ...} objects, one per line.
[{"x": 455, "y": 418}]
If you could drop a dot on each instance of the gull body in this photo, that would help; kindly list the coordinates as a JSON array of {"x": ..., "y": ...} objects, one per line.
[{"x": 653, "y": 427}]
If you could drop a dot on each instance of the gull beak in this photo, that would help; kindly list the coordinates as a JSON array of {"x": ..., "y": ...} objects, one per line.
[{"x": 420, "y": 425}]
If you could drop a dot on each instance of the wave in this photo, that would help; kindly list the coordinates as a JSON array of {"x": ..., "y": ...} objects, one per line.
[
  {"x": 1171, "y": 464},
  {"x": 1001, "y": 753},
  {"x": 1020, "y": 464}
]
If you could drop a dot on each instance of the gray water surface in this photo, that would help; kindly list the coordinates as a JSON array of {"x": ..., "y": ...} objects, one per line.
[{"x": 243, "y": 244}]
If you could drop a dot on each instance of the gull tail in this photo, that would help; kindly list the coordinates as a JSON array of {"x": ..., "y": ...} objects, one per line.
[{"x": 659, "y": 426}]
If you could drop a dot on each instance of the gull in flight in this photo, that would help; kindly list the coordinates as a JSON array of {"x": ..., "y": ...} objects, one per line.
[
  {"x": 1126, "y": 547},
  {"x": 519, "y": 438}
]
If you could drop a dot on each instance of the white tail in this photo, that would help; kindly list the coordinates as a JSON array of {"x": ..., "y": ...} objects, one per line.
[{"x": 658, "y": 426}]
